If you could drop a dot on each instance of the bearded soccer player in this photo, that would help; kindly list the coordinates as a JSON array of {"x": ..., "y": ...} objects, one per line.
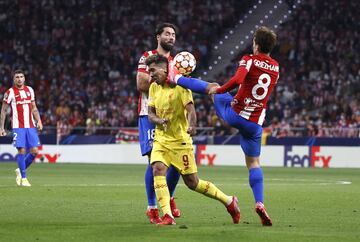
[
  {"x": 171, "y": 108},
  {"x": 21, "y": 99},
  {"x": 255, "y": 79},
  {"x": 166, "y": 36}
]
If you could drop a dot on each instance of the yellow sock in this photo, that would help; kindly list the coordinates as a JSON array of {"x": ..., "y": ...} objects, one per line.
[
  {"x": 162, "y": 194},
  {"x": 210, "y": 190}
]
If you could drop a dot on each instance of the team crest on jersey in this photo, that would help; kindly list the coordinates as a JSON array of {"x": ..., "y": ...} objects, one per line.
[{"x": 142, "y": 59}]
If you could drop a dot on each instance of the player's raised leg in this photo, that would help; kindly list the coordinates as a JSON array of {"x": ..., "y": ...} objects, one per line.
[
  {"x": 210, "y": 190},
  {"x": 194, "y": 84}
]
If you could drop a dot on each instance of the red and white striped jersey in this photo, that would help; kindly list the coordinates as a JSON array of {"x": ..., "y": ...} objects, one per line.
[
  {"x": 21, "y": 108},
  {"x": 256, "y": 75},
  {"x": 142, "y": 67}
]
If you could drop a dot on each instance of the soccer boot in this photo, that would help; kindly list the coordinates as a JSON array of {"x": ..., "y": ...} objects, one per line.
[
  {"x": 167, "y": 220},
  {"x": 174, "y": 210},
  {"x": 18, "y": 176},
  {"x": 25, "y": 182},
  {"x": 173, "y": 74},
  {"x": 234, "y": 210},
  {"x": 264, "y": 217},
  {"x": 153, "y": 215}
]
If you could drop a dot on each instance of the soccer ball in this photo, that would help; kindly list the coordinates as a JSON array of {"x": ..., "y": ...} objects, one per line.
[{"x": 185, "y": 62}]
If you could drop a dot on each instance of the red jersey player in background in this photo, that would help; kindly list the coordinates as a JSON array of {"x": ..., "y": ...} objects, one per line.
[
  {"x": 21, "y": 99},
  {"x": 166, "y": 36},
  {"x": 255, "y": 79}
]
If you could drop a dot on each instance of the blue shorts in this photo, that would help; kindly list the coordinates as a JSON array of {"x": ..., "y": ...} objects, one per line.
[
  {"x": 146, "y": 135},
  {"x": 250, "y": 132},
  {"x": 25, "y": 138}
]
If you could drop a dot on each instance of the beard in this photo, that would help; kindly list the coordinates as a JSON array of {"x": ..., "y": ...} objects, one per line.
[{"x": 167, "y": 46}]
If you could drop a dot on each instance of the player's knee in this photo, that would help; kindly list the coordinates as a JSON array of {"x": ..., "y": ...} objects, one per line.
[
  {"x": 159, "y": 169},
  {"x": 191, "y": 182},
  {"x": 34, "y": 151},
  {"x": 211, "y": 85}
]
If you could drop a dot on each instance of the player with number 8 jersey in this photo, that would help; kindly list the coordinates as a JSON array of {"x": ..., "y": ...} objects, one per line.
[{"x": 255, "y": 79}]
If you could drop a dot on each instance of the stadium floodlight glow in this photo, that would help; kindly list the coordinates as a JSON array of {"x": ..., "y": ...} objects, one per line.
[
  {"x": 275, "y": 26},
  {"x": 289, "y": 11},
  {"x": 231, "y": 32},
  {"x": 205, "y": 73},
  {"x": 294, "y": 6},
  {"x": 252, "y": 31},
  {"x": 259, "y": 1},
  {"x": 261, "y": 21},
  {"x": 247, "y": 37},
  {"x": 231, "y": 52},
  {"x": 219, "y": 57},
  {"x": 285, "y": 16},
  {"x": 270, "y": 11},
  {"x": 245, "y": 16},
  {"x": 210, "y": 67},
  {"x": 256, "y": 26},
  {"x": 215, "y": 62},
  {"x": 255, "y": 7},
  {"x": 226, "y": 37},
  {"x": 215, "y": 47},
  {"x": 250, "y": 11},
  {"x": 221, "y": 42},
  {"x": 280, "y": 1},
  {"x": 275, "y": 6},
  {"x": 242, "y": 42},
  {"x": 266, "y": 16},
  {"x": 237, "y": 47},
  {"x": 280, "y": 21}
]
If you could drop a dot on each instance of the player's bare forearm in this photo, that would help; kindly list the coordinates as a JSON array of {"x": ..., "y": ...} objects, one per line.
[
  {"x": 36, "y": 115},
  {"x": 191, "y": 116},
  {"x": 142, "y": 82},
  {"x": 156, "y": 119},
  {"x": 3, "y": 115}
]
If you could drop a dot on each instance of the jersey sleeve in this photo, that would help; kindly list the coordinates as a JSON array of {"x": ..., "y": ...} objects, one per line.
[
  {"x": 142, "y": 67},
  {"x": 7, "y": 97},
  {"x": 32, "y": 93},
  {"x": 152, "y": 94},
  {"x": 186, "y": 96},
  {"x": 239, "y": 77}
]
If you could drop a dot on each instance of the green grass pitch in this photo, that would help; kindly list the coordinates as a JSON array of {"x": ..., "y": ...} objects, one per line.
[{"x": 73, "y": 202}]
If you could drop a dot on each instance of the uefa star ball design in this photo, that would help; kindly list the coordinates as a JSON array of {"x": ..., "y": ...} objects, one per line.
[{"x": 185, "y": 62}]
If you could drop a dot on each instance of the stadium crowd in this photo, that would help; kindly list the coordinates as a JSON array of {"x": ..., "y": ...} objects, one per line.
[
  {"x": 318, "y": 93},
  {"x": 81, "y": 58}
]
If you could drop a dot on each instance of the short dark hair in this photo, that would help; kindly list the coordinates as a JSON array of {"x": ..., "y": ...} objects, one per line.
[
  {"x": 160, "y": 28},
  {"x": 18, "y": 71},
  {"x": 265, "y": 38},
  {"x": 157, "y": 59}
]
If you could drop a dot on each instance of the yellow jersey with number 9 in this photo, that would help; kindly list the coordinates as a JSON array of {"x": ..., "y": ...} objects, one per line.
[{"x": 169, "y": 103}]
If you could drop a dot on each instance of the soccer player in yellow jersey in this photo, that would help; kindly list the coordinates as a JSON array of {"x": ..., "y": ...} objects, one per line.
[{"x": 171, "y": 109}]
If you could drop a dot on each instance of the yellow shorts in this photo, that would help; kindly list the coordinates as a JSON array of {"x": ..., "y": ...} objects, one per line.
[{"x": 182, "y": 159}]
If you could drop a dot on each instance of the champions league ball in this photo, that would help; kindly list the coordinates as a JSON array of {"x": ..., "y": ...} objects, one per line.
[{"x": 185, "y": 62}]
